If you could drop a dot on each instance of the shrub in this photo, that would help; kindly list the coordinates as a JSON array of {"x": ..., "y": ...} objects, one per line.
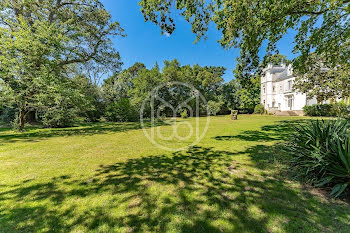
[
  {"x": 318, "y": 110},
  {"x": 214, "y": 107},
  {"x": 318, "y": 152},
  {"x": 86, "y": 97},
  {"x": 59, "y": 117},
  {"x": 309, "y": 110},
  {"x": 259, "y": 109},
  {"x": 328, "y": 110},
  {"x": 184, "y": 114},
  {"x": 341, "y": 110},
  {"x": 121, "y": 111},
  {"x": 8, "y": 115}
]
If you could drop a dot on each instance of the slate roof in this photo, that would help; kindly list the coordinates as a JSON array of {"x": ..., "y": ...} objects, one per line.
[{"x": 283, "y": 76}]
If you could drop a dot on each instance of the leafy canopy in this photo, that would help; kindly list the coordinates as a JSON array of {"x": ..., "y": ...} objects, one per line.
[
  {"x": 322, "y": 25},
  {"x": 324, "y": 82},
  {"x": 43, "y": 41}
]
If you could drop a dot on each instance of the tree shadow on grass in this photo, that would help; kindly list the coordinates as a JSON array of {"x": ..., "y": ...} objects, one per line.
[
  {"x": 282, "y": 130},
  {"x": 34, "y": 135},
  {"x": 199, "y": 190},
  {"x": 250, "y": 135}
]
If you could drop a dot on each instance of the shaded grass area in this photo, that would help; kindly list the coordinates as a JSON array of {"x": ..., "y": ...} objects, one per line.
[
  {"x": 280, "y": 131},
  {"x": 33, "y": 134},
  {"x": 202, "y": 189}
]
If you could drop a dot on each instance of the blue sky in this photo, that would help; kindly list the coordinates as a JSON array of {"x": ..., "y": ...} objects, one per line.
[{"x": 144, "y": 42}]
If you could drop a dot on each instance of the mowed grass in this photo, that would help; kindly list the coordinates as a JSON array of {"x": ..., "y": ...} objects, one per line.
[{"x": 108, "y": 177}]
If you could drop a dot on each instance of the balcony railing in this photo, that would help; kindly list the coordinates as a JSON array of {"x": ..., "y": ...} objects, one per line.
[{"x": 288, "y": 90}]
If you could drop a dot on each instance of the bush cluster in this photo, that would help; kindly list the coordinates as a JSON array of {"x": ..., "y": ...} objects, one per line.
[
  {"x": 328, "y": 110},
  {"x": 7, "y": 115},
  {"x": 58, "y": 117},
  {"x": 259, "y": 109},
  {"x": 121, "y": 111},
  {"x": 214, "y": 107},
  {"x": 184, "y": 114},
  {"x": 321, "y": 154}
]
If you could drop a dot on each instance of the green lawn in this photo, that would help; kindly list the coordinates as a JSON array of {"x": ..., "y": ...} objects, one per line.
[{"x": 109, "y": 178}]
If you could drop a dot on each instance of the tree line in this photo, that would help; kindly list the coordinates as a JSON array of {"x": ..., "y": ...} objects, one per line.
[
  {"x": 54, "y": 52},
  {"x": 119, "y": 98}
]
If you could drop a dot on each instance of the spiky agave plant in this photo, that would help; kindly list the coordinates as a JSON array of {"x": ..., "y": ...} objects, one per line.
[
  {"x": 338, "y": 170},
  {"x": 311, "y": 144}
]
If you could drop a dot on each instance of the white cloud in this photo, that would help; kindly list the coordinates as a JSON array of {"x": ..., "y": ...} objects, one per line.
[{"x": 167, "y": 34}]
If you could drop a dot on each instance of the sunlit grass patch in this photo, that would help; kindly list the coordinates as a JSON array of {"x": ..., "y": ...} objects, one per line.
[{"x": 110, "y": 178}]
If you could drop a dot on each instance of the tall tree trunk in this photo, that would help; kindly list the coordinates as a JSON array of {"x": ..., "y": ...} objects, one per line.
[{"x": 21, "y": 119}]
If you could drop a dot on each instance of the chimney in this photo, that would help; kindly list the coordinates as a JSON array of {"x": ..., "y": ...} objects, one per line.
[{"x": 283, "y": 63}]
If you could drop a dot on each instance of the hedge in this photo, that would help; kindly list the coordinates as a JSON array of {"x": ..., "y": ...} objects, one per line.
[{"x": 328, "y": 110}]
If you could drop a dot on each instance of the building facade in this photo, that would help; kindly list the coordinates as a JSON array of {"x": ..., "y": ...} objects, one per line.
[{"x": 277, "y": 94}]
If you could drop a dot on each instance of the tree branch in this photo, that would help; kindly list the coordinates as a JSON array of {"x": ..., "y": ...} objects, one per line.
[{"x": 82, "y": 59}]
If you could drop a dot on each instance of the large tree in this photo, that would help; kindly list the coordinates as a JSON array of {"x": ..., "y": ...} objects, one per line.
[
  {"x": 41, "y": 41},
  {"x": 117, "y": 86},
  {"x": 143, "y": 84},
  {"x": 322, "y": 27},
  {"x": 207, "y": 80},
  {"x": 322, "y": 81}
]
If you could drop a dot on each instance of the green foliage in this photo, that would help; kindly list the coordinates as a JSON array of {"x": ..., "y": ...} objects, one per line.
[
  {"x": 119, "y": 85},
  {"x": 249, "y": 94},
  {"x": 59, "y": 116},
  {"x": 213, "y": 107},
  {"x": 80, "y": 93},
  {"x": 322, "y": 28},
  {"x": 321, "y": 80},
  {"x": 341, "y": 109},
  {"x": 41, "y": 44},
  {"x": 318, "y": 110},
  {"x": 229, "y": 94},
  {"x": 275, "y": 59},
  {"x": 121, "y": 111},
  {"x": 328, "y": 110},
  {"x": 207, "y": 80},
  {"x": 195, "y": 12},
  {"x": 259, "y": 109},
  {"x": 242, "y": 93},
  {"x": 8, "y": 115},
  {"x": 321, "y": 153},
  {"x": 60, "y": 105},
  {"x": 338, "y": 169},
  {"x": 136, "y": 68},
  {"x": 184, "y": 114},
  {"x": 87, "y": 99}
]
